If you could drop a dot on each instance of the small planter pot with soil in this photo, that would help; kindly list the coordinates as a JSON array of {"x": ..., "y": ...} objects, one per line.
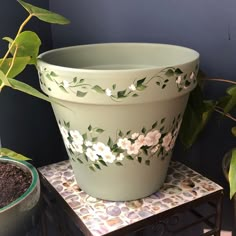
[{"x": 19, "y": 198}]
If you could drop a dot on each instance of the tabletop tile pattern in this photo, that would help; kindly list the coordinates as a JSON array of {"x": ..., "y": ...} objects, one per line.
[{"x": 101, "y": 217}]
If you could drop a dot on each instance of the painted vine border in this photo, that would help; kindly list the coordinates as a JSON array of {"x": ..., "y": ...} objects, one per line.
[
  {"x": 154, "y": 142},
  {"x": 80, "y": 87}
]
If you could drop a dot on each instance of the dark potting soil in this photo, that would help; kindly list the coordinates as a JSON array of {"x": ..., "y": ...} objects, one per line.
[{"x": 13, "y": 183}]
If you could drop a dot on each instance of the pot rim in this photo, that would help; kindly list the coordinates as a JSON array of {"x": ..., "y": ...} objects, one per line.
[
  {"x": 35, "y": 178},
  {"x": 41, "y": 59}
]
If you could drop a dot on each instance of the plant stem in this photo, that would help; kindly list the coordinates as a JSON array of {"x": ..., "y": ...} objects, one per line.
[
  {"x": 12, "y": 62},
  {"x": 19, "y": 31},
  {"x": 220, "y": 80},
  {"x": 217, "y": 109}
]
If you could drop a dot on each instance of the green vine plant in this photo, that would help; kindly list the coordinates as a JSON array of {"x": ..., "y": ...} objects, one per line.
[
  {"x": 199, "y": 111},
  {"x": 22, "y": 51}
]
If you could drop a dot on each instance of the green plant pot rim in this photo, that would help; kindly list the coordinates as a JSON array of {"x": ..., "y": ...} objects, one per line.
[{"x": 35, "y": 178}]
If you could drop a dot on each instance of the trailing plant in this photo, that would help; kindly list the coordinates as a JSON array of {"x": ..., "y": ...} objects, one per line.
[
  {"x": 22, "y": 51},
  {"x": 199, "y": 111}
]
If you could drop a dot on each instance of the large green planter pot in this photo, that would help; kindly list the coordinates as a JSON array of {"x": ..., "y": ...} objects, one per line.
[
  {"x": 123, "y": 106},
  {"x": 18, "y": 217}
]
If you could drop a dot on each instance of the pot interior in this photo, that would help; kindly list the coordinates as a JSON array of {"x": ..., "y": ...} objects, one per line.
[{"x": 119, "y": 56}]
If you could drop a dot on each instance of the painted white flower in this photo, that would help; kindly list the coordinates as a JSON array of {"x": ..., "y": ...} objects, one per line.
[
  {"x": 91, "y": 154},
  {"x": 192, "y": 76},
  {"x": 133, "y": 149},
  {"x": 100, "y": 148},
  {"x": 179, "y": 79},
  {"x": 64, "y": 132},
  {"x": 108, "y": 92},
  {"x": 88, "y": 144},
  {"x": 108, "y": 157},
  {"x": 134, "y": 135},
  {"x": 77, "y": 137},
  {"x": 65, "y": 84},
  {"x": 152, "y": 138},
  {"x": 75, "y": 147},
  {"x": 166, "y": 141},
  {"x": 120, "y": 157},
  {"x": 155, "y": 148},
  {"x": 123, "y": 143},
  {"x": 132, "y": 87}
]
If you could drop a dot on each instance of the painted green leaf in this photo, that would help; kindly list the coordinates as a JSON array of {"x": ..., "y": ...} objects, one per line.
[
  {"x": 232, "y": 174},
  {"x": 135, "y": 95},
  {"x": 121, "y": 94},
  {"x": 114, "y": 86},
  {"x": 44, "y": 15},
  {"x": 158, "y": 83},
  {"x": 27, "y": 44},
  {"x": 52, "y": 73},
  {"x": 63, "y": 88},
  {"x": 143, "y": 130},
  {"x": 99, "y": 130},
  {"x": 140, "y": 160},
  {"x": 169, "y": 72},
  {"x": 98, "y": 89},
  {"x": 90, "y": 128},
  {"x": 163, "y": 86},
  {"x": 97, "y": 166},
  {"x": 154, "y": 125},
  {"x": 187, "y": 83},
  {"x": 79, "y": 160},
  {"x": 81, "y": 80},
  {"x": 92, "y": 168},
  {"x": 163, "y": 120},
  {"x": 81, "y": 94},
  {"x": 130, "y": 157},
  {"x": 110, "y": 142},
  {"x": 19, "y": 65},
  {"x": 9, "y": 153},
  {"x": 120, "y": 133},
  {"x": 178, "y": 71},
  {"x": 25, "y": 88},
  {"x": 102, "y": 162},
  {"x": 118, "y": 163},
  {"x": 140, "y": 82},
  {"x": 147, "y": 162},
  {"x": 94, "y": 139}
]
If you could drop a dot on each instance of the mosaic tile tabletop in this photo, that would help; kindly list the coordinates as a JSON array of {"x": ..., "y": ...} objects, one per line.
[{"x": 102, "y": 217}]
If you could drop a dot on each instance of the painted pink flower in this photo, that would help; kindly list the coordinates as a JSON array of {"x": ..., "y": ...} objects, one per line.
[
  {"x": 152, "y": 138},
  {"x": 166, "y": 141},
  {"x": 133, "y": 149}
]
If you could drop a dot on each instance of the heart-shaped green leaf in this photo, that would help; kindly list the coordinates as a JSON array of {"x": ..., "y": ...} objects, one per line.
[
  {"x": 27, "y": 44},
  {"x": 12, "y": 154},
  {"x": 18, "y": 66},
  {"x": 43, "y": 14}
]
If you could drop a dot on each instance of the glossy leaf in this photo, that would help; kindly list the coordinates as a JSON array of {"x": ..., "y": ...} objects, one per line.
[
  {"x": 44, "y": 14},
  {"x": 9, "y": 153},
  {"x": 19, "y": 65},
  {"x": 232, "y": 173}
]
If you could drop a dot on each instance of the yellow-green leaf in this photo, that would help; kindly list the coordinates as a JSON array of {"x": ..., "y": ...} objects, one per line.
[
  {"x": 44, "y": 14},
  {"x": 232, "y": 173},
  {"x": 18, "y": 66},
  {"x": 27, "y": 44},
  {"x": 12, "y": 154}
]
